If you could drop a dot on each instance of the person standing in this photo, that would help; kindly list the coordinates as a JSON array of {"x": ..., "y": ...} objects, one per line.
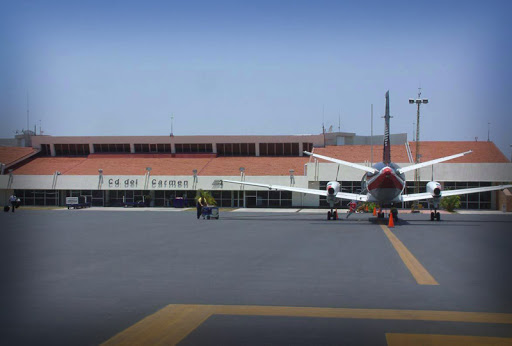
[
  {"x": 199, "y": 206},
  {"x": 12, "y": 199}
]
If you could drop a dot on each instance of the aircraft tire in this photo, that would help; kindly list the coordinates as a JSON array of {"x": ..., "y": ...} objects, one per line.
[
  {"x": 335, "y": 216},
  {"x": 328, "y": 215},
  {"x": 438, "y": 216},
  {"x": 432, "y": 216}
]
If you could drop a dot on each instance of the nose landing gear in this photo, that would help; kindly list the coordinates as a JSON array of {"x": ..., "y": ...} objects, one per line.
[
  {"x": 332, "y": 215},
  {"x": 435, "y": 215}
]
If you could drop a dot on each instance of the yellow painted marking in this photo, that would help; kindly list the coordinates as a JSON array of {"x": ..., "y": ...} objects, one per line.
[
  {"x": 419, "y": 272},
  {"x": 174, "y": 322},
  {"x": 443, "y": 340},
  {"x": 165, "y": 327}
]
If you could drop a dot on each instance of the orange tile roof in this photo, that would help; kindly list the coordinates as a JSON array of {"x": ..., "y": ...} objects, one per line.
[
  {"x": 10, "y": 155},
  {"x": 482, "y": 152},
  {"x": 112, "y": 166},
  {"x": 163, "y": 166},
  {"x": 254, "y": 166}
]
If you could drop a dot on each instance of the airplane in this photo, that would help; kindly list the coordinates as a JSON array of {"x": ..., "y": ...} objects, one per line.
[{"x": 383, "y": 183}]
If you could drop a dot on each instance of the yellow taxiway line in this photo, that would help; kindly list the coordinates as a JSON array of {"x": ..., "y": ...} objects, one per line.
[
  {"x": 419, "y": 272},
  {"x": 394, "y": 339},
  {"x": 173, "y": 323}
]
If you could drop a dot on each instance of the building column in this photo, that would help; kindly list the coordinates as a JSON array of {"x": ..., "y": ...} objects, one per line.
[
  {"x": 91, "y": 148},
  {"x": 132, "y": 148},
  {"x": 52, "y": 149},
  {"x": 173, "y": 148},
  {"x": 301, "y": 148},
  {"x": 214, "y": 148},
  {"x": 257, "y": 147}
]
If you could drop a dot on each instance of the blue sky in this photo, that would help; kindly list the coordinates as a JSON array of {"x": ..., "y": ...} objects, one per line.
[{"x": 264, "y": 67}]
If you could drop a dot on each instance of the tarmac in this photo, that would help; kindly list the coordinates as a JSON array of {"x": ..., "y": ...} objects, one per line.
[{"x": 287, "y": 277}]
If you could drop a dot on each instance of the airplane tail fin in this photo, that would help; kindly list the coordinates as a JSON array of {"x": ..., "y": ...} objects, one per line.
[{"x": 387, "y": 144}]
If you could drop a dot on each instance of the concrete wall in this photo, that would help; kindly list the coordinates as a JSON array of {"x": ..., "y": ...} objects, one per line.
[
  {"x": 489, "y": 172},
  {"x": 504, "y": 200},
  {"x": 38, "y": 140},
  {"x": 138, "y": 182},
  {"x": 352, "y": 139}
]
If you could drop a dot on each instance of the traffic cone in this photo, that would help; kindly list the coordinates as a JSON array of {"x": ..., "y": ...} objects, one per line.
[
  {"x": 391, "y": 223},
  {"x": 374, "y": 211}
]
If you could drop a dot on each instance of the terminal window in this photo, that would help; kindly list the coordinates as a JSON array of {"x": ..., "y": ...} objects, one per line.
[
  {"x": 71, "y": 149},
  {"x": 111, "y": 148}
]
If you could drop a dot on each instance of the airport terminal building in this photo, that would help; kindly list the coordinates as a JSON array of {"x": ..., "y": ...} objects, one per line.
[{"x": 168, "y": 170}]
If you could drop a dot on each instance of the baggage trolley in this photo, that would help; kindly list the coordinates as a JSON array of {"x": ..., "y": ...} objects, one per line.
[{"x": 210, "y": 213}]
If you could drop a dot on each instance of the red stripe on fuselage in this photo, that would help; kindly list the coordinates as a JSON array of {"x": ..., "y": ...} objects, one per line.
[{"x": 386, "y": 179}]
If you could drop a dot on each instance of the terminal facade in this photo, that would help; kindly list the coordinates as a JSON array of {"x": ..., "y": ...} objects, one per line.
[{"x": 164, "y": 170}]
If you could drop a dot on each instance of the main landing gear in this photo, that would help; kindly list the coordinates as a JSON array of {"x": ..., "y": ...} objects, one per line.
[
  {"x": 435, "y": 215},
  {"x": 332, "y": 215},
  {"x": 394, "y": 212}
]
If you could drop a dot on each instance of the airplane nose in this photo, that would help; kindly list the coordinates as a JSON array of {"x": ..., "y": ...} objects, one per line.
[{"x": 330, "y": 190}]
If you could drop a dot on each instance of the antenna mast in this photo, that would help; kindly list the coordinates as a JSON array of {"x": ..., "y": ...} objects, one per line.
[
  {"x": 28, "y": 112},
  {"x": 371, "y": 137},
  {"x": 323, "y": 127}
]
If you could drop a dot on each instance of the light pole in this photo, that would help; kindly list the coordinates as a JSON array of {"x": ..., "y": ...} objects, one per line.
[
  {"x": 418, "y": 102},
  {"x": 194, "y": 181},
  {"x": 242, "y": 178}
]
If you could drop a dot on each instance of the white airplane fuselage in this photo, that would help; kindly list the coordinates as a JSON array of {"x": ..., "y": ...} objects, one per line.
[{"x": 385, "y": 186}]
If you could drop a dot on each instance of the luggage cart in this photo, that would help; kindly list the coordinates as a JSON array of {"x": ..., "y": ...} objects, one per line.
[{"x": 210, "y": 213}]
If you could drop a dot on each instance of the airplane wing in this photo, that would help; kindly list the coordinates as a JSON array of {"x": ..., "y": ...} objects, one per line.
[
  {"x": 345, "y": 163},
  {"x": 474, "y": 189},
  {"x": 416, "y": 196},
  {"x": 432, "y": 162},
  {"x": 280, "y": 187},
  {"x": 352, "y": 196},
  {"x": 446, "y": 193}
]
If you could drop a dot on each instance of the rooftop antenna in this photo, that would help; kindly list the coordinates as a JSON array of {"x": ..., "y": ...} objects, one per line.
[
  {"x": 172, "y": 120},
  {"x": 323, "y": 118},
  {"x": 28, "y": 112},
  {"x": 323, "y": 127},
  {"x": 488, "y": 131},
  {"x": 339, "y": 122}
]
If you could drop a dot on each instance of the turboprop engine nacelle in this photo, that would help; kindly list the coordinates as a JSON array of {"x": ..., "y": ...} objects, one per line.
[
  {"x": 333, "y": 187},
  {"x": 434, "y": 188}
]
